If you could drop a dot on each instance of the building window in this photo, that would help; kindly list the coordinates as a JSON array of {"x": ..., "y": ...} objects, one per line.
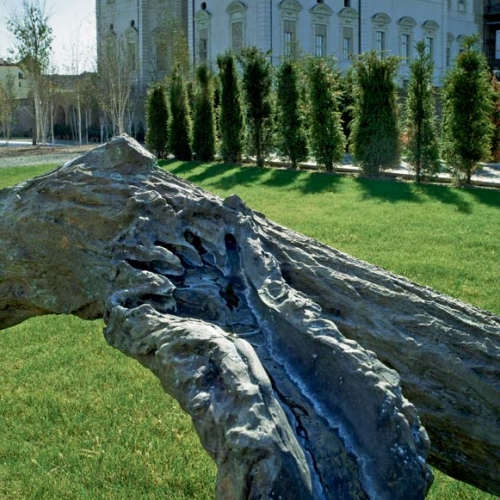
[
  {"x": 347, "y": 38},
  {"x": 380, "y": 41},
  {"x": 237, "y": 23},
  {"x": 132, "y": 58},
  {"x": 405, "y": 47},
  {"x": 406, "y": 25},
  {"x": 203, "y": 45},
  {"x": 290, "y": 10},
  {"x": 289, "y": 37},
  {"x": 381, "y": 23},
  {"x": 320, "y": 40},
  {"x": 429, "y": 46},
  {"x": 237, "y": 36},
  {"x": 449, "y": 44},
  {"x": 203, "y": 20},
  {"x": 461, "y": 6},
  {"x": 161, "y": 58},
  {"x": 347, "y": 3}
]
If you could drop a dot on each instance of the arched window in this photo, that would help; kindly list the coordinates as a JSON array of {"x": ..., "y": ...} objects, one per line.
[
  {"x": 320, "y": 16},
  {"x": 203, "y": 22},
  {"x": 406, "y": 25},
  {"x": 237, "y": 12},
  {"x": 348, "y": 32},
  {"x": 430, "y": 29},
  {"x": 380, "y": 23},
  {"x": 290, "y": 10}
]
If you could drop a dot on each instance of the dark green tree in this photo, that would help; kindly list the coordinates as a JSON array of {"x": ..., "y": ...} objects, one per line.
[
  {"x": 292, "y": 140},
  {"x": 346, "y": 102},
  {"x": 257, "y": 83},
  {"x": 327, "y": 139},
  {"x": 179, "y": 132},
  {"x": 375, "y": 134},
  {"x": 231, "y": 126},
  {"x": 204, "y": 115},
  {"x": 467, "y": 109},
  {"x": 157, "y": 120},
  {"x": 495, "y": 118},
  {"x": 423, "y": 146}
]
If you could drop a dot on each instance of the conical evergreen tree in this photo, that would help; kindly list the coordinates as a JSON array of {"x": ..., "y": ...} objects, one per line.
[
  {"x": 326, "y": 136},
  {"x": 231, "y": 126},
  {"x": 375, "y": 134},
  {"x": 292, "y": 140},
  {"x": 423, "y": 146},
  {"x": 157, "y": 120},
  {"x": 204, "y": 115},
  {"x": 468, "y": 108},
  {"x": 257, "y": 86},
  {"x": 180, "y": 122}
]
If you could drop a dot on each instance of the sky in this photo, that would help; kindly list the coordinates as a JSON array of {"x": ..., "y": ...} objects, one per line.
[{"x": 73, "y": 25}]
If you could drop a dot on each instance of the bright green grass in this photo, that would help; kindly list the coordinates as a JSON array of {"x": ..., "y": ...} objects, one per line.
[{"x": 88, "y": 423}]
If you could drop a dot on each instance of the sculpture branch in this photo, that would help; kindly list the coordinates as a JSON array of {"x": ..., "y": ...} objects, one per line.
[{"x": 265, "y": 337}]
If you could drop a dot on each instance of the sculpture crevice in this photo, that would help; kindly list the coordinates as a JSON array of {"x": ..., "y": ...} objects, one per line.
[{"x": 277, "y": 346}]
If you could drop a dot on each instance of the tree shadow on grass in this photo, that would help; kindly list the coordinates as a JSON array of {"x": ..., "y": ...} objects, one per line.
[
  {"x": 182, "y": 168},
  {"x": 281, "y": 177},
  {"x": 211, "y": 171},
  {"x": 388, "y": 190},
  {"x": 239, "y": 176},
  {"x": 447, "y": 195},
  {"x": 321, "y": 182},
  {"x": 490, "y": 197}
]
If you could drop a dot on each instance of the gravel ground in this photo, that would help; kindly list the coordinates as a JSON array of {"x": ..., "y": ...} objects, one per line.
[{"x": 23, "y": 156}]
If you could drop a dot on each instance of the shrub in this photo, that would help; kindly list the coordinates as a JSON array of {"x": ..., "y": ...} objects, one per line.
[
  {"x": 180, "y": 123},
  {"x": 326, "y": 136},
  {"x": 231, "y": 113},
  {"x": 291, "y": 129},
  {"x": 468, "y": 108},
  {"x": 257, "y": 86},
  {"x": 157, "y": 120},
  {"x": 422, "y": 146},
  {"x": 375, "y": 134},
  {"x": 204, "y": 116}
]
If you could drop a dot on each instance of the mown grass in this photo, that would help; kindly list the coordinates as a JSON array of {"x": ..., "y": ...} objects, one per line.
[{"x": 78, "y": 420}]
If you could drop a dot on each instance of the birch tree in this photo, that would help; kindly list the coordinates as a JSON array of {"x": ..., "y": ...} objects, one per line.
[{"x": 33, "y": 42}]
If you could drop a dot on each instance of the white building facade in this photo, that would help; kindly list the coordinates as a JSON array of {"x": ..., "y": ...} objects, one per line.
[{"x": 341, "y": 28}]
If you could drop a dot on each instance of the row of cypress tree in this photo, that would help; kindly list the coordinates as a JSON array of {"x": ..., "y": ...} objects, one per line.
[{"x": 307, "y": 109}]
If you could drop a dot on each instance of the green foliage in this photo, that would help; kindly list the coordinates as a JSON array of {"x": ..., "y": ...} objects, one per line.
[
  {"x": 326, "y": 136},
  {"x": 468, "y": 108},
  {"x": 231, "y": 125},
  {"x": 33, "y": 36},
  {"x": 495, "y": 118},
  {"x": 375, "y": 135},
  {"x": 257, "y": 86},
  {"x": 423, "y": 147},
  {"x": 157, "y": 120},
  {"x": 290, "y": 119},
  {"x": 204, "y": 115},
  {"x": 346, "y": 85},
  {"x": 179, "y": 132}
]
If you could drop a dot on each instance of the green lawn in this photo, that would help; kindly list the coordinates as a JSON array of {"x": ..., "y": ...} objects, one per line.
[{"x": 80, "y": 421}]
